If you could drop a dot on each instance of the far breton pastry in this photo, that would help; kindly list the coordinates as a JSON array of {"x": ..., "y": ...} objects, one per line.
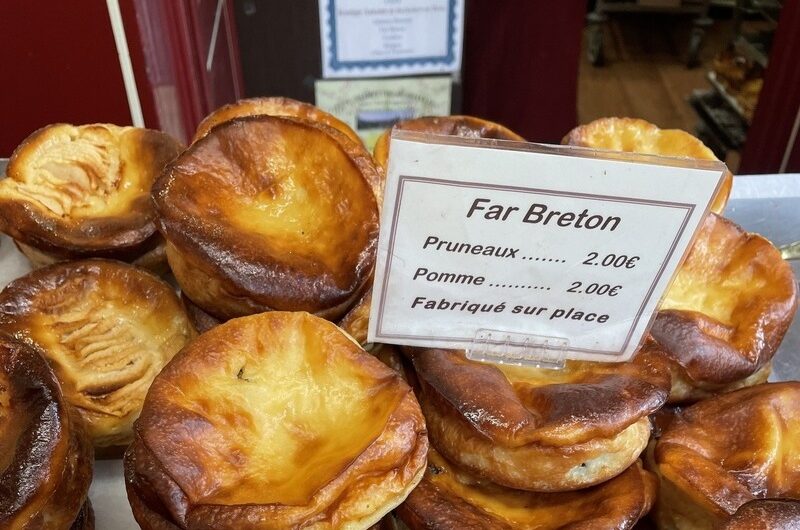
[
  {"x": 387, "y": 523},
  {"x": 538, "y": 429},
  {"x": 45, "y": 453},
  {"x": 449, "y": 498},
  {"x": 273, "y": 106},
  {"x": 355, "y": 324},
  {"x": 639, "y": 136},
  {"x": 770, "y": 514},
  {"x": 106, "y": 328},
  {"x": 201, "y": 320},
  {"x": 721, "y": 453},
  {"x": 75, "y": 192},
  {"x": 356, "y": 321},
  {"x": 726, "y": 312},
  {"x": 269, "y": 213},
  {"x": 85, "y": 519},
  {"x": 273, "y": 421},
  {"x": 463, "y": 126},
  {"x": 290, "y": 108}
]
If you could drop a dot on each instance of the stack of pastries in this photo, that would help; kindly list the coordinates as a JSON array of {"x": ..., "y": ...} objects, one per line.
[{"x": 252, "y": 400}]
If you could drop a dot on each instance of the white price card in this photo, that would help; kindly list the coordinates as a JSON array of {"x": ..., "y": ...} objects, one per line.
[{"x": 536, "y": 244}]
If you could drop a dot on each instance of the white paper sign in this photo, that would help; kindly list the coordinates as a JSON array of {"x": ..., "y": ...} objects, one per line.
[
  {"x": 536, "y": 241},
  {"x": 381, "y": 38}
]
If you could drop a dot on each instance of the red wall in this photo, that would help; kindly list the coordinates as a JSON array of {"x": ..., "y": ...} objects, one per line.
[
  {"x": 769, "y": 136},
  {"x": 59, "y": 64},
  {"x": 521, "y": 64}
]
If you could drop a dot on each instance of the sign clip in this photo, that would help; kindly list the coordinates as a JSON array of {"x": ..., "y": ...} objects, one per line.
[{"x": 519, "y": 349}]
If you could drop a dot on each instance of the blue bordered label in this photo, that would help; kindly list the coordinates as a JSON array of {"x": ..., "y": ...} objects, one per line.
[{"x": 369, "y": 38}]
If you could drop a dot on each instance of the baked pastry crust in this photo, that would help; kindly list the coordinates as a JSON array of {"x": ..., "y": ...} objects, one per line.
[
  {"x": 85, "y": 519},
  {"x": 201, "y": 320},
  {"x": 45, "y": 453},
  {"x": 269, "y": 213},
  {"x": 387, "y": 523},
  {"x": 770, "y": 514},
  {"x": 84, "y": 191},
  {"x": 356, "y": 321},
  {"x": 640, "y": 136},
  {"x": 106, "y": 328},
  {"x": 536, "y": 429},
  {"x": 721, "y": 453},
  {"x": 449, "y": 498},
  {"x": 463, "y": 126},
  {"x": 154, "y": 260},
  {"x": 244, "y": 429},
  {"x": 273, "y": 106},
  {"x": 290, "y": 108},
  {"x": 726, "y": 312}
]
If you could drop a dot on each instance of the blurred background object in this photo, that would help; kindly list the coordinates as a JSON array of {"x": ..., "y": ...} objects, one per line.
[
  {"x": 698, "y": 9},
  {"x": 741, "y": 98},
  {"x": 536, "y": 66}
]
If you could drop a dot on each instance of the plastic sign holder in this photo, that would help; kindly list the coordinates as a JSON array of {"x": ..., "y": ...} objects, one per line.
[
  {"x": 530, "y": 254},
  {"x": 502, "y": 347}
]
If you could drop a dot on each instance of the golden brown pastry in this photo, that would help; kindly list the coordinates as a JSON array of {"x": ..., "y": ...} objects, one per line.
[
  {"x": 269, "y": 213},
  {"x": 773, "y": 514},
  {"x": 290, "y": 108},
  {"x": 355, "y": 324},
  {"x": 45, "y": 453},
  {"x": 387, "y": 523},
  {"x": 640, "y": 136},
  {"x": 538, "y": 429},
  {"x": 726, "y": 312},
  {"x": 274, "y": 421},
  {"x": 201, "y": 320},
  {"x": 84, "y": 191},
  {"x": 463, "y": 126},
  {"x": 85, "y": 519},
  {"x": 748, "y": 96},
  {"x": 449, "y": 498},
  {"x": 273, "y": 106},
  {"x": 356, "y": 321},
  {"x": 726, "y": 451},
  {"x": 106, "y": 328}
]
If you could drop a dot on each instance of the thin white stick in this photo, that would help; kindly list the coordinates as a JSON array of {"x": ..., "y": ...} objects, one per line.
[
  {"x": 790, "y": 143},
  {"x": 214, "y": 33},
  {"x": 117, "y": 27}
]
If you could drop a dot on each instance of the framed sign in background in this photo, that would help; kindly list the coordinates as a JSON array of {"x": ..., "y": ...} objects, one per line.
[
  {"x": 369, "y": 38},
  {"x": 370, "y": 106}
]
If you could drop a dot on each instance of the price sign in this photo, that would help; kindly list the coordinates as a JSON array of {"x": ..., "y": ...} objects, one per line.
[{"x": 534, "y": 242}]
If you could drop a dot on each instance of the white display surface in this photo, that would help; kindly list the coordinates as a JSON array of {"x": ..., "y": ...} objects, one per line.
[
  {"x": 109, "y": 500},
  {"x": 547, "y": 242}
]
